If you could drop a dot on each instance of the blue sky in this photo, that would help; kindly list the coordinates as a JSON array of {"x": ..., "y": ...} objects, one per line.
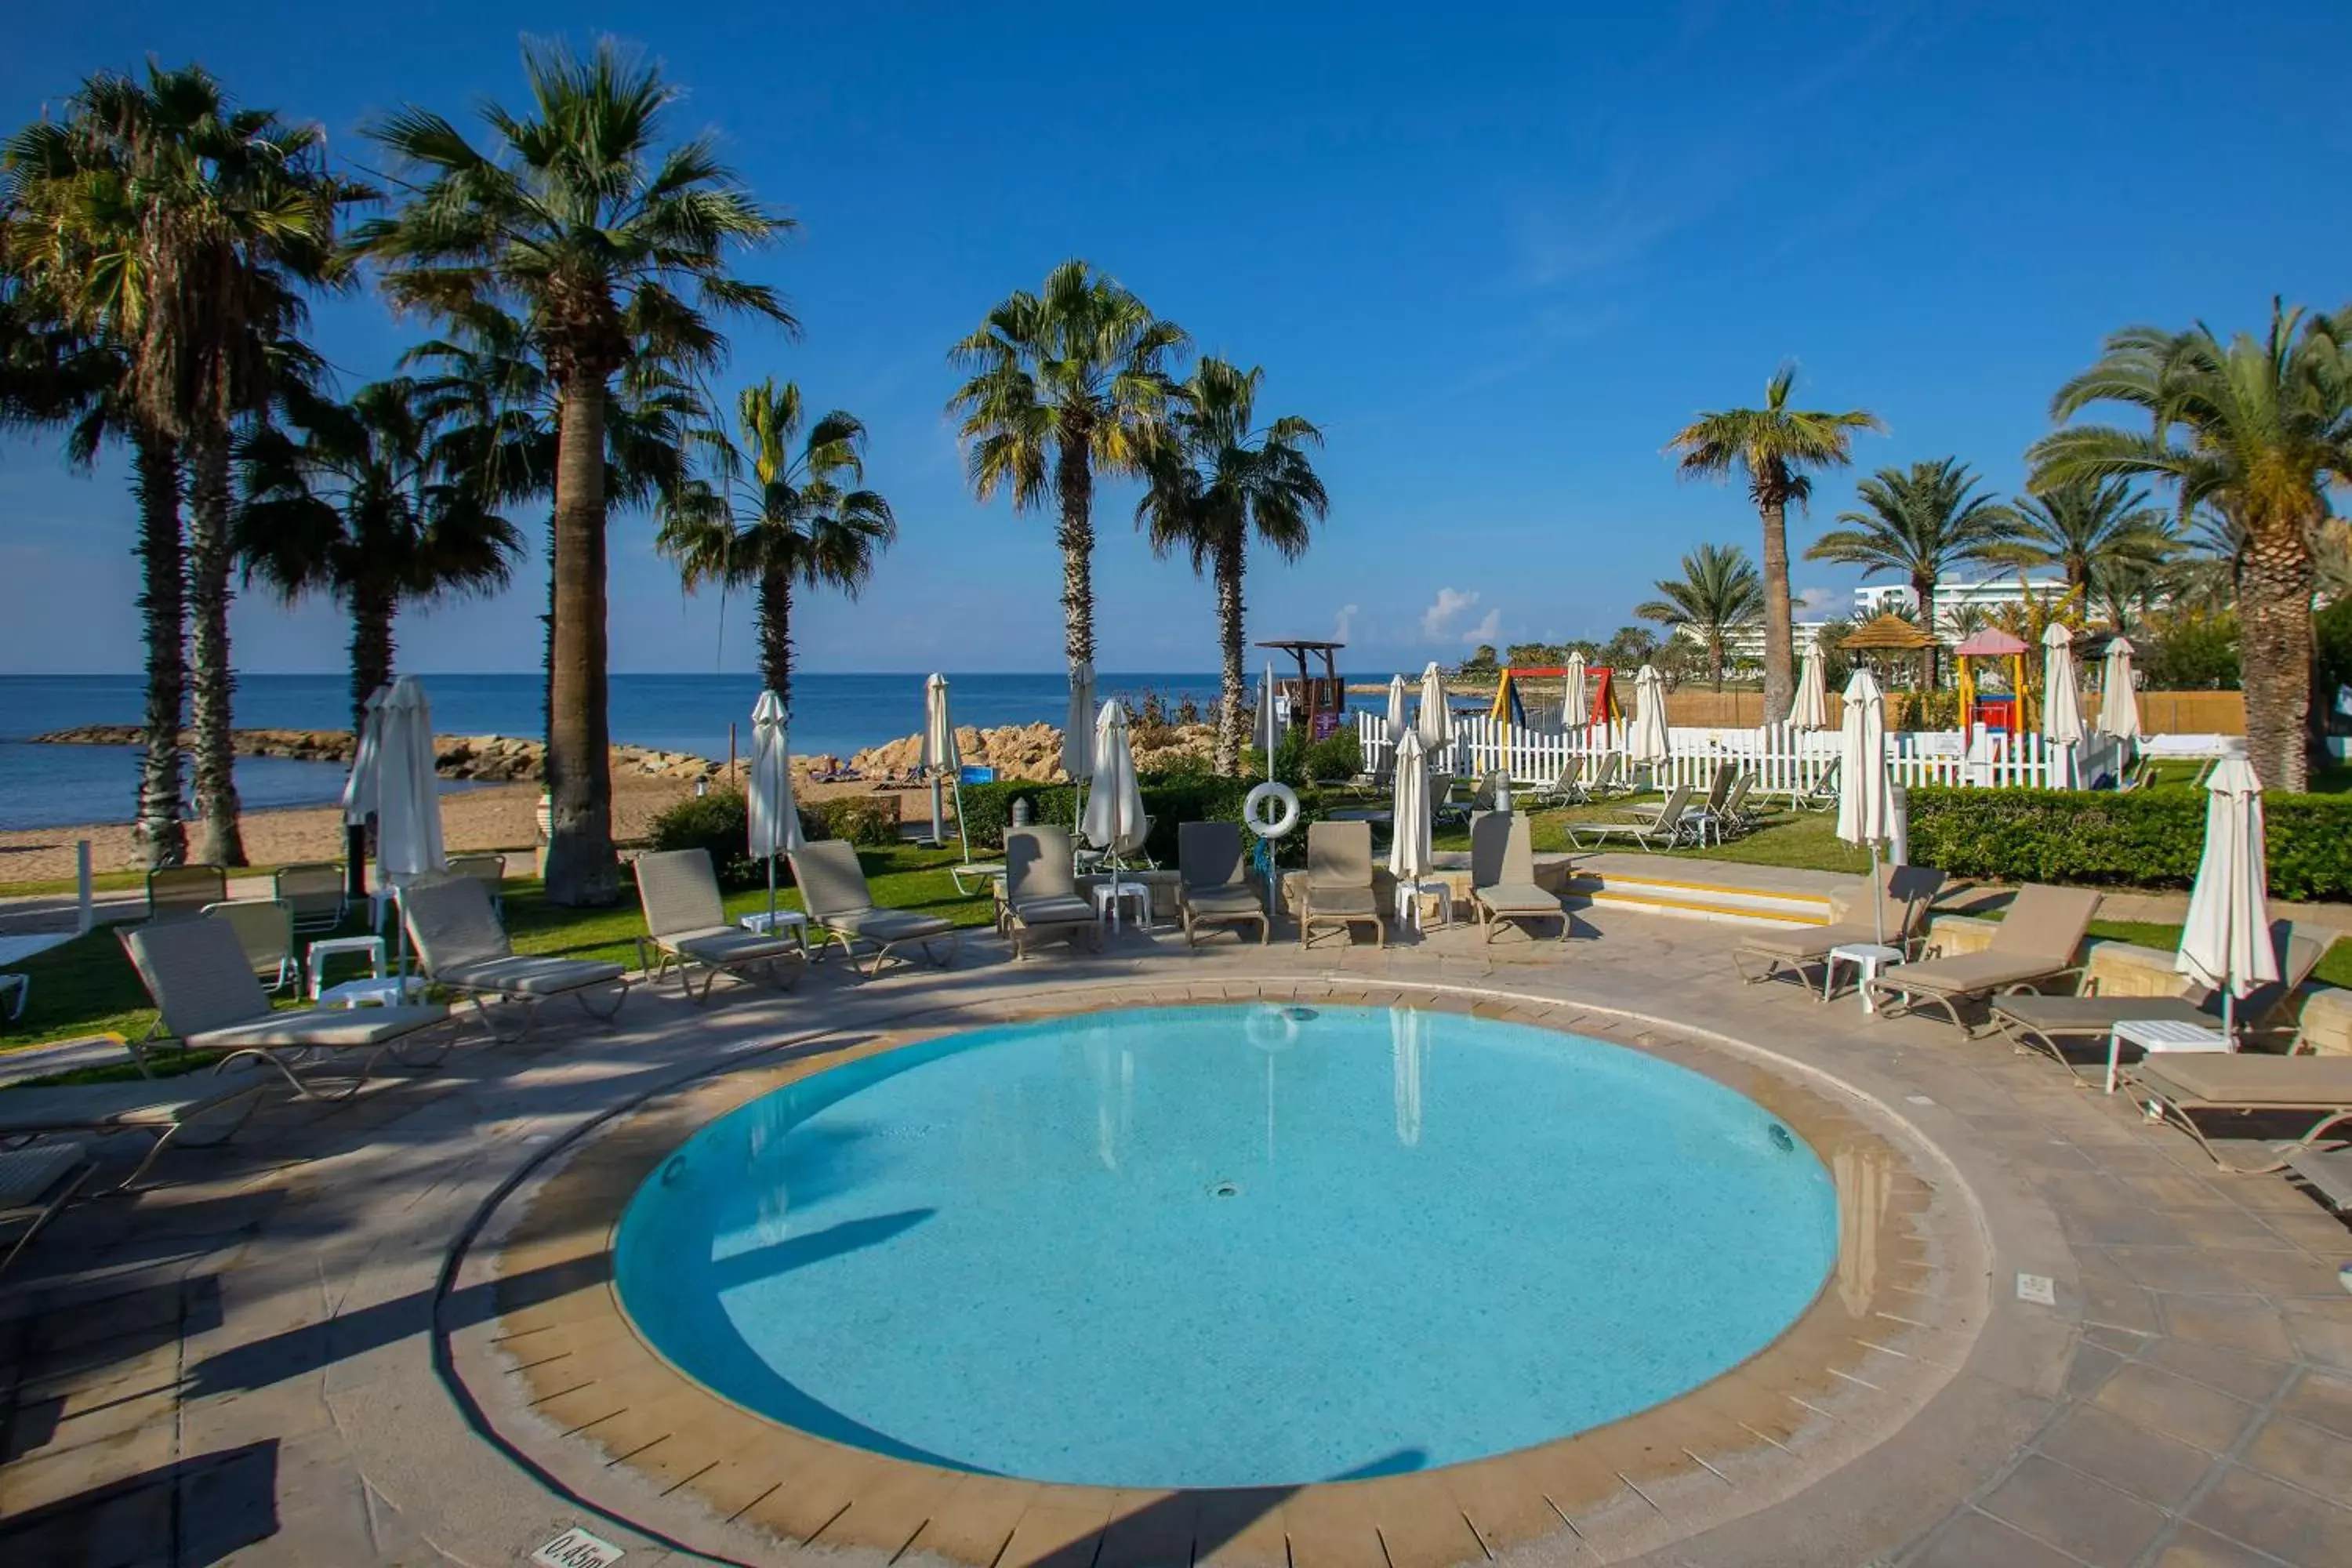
[{"x": 1498, "y": 257}]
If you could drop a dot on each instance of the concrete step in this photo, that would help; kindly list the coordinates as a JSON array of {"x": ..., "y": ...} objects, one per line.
[{"x": 1683, "y": 893}]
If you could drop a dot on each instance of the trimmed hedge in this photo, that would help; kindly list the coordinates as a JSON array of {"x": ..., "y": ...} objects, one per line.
[
  {"x": 720, "y": 821},
  {"x": 2147, "y": 838},
  {"x": 1167, "y": 798}
]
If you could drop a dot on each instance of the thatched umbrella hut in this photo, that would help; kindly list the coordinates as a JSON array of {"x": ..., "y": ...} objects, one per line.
[{"x": 1888, "y": 634}]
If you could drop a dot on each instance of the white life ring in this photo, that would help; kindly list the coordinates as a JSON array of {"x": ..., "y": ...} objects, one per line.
[{"x": 1286, "y": 816}]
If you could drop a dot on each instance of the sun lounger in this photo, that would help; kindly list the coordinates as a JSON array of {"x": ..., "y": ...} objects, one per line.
[
  {"x": 1503, "y": 888},
  {"x": 1041, "y": 890},
  {"x": 209, "y": 1001},
  {"x": 491, "y": 871},
  {"x": 1339, "y": 889},
  {"x": 1459, "y": 813},
  {"x": 35, "y": 1182},
  {"x": 2181, "y": 1087},
  {"x": 2035, "y": 941},
  {"x": 194, "y": 1111},
  {"x": 832, "y": 889},
  {"x": 1732, "y": 817},
  {"x": 1213, "y": 886},
  {"x": 1665, "y": 828},
  {"x": 686, "y": 924},
  {"x": 460, "y": 945},
  {"x": 2047, "y": 1023},
  {"x": 1909, "y": 890},
  {"x": 2329, "y": 1172},
  {"x": 1822, "y": 794},
  {"x": 1704, "y": 816},
  {"x": 181, "y": 892},
  {"x": 265, "y": 930},
  {"x": 313, "y": 891}
]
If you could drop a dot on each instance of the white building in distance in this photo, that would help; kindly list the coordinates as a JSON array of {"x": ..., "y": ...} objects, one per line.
[{"x": 1988, "y": 594}]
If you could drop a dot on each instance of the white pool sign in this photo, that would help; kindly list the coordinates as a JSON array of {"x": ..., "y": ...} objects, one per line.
[{"x": 575, "y": 1548}]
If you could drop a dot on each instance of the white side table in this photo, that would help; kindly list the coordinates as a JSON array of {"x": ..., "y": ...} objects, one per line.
[
  {"x": 791, "y": 920},
  {"x": 372, "y": 946},
  {"x": 1107, "y": 896},
  {"x": 1408, "y": 901},
  {"x": 381, "y": 991},
  {"x": 2159, "y": 1036},
  {"x": 1868, "y": 958}
]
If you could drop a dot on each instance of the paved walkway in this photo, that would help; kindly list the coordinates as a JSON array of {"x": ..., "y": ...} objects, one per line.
[{"x": 253, "y": 1360}]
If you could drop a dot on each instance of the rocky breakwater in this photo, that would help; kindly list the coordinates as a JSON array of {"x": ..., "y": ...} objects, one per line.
[
  {"x": 486, "y": 759},
  {"x": 1032, "y": 752}
]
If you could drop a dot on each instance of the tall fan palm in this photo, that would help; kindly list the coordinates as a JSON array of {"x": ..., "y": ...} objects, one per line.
[
  {"x": 2089, "y": 527},
  {"x": 1065, "y": 385},
  {"x": 1717, "y": 594},
  {"x": 1773, "y": 446},
  {"x": 1918, "y": 523},
  {"x": 609, "y": 248},
  {"x": 774, "y": 518},
  {"x": 361, "y": 507},
  {"x": 1216, "y": 481},
  {"x": 2259, "y": 427}
]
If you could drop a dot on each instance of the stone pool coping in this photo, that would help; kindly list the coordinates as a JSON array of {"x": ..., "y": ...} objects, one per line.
[{"x": 570, "y": 1385}]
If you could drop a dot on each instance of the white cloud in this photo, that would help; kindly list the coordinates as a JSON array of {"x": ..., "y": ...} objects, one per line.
[
  {"x": 1490, "y": 629},
  {"x": 1343, "y": 624},
  {"x": 1437, "y": 621},
  {"x": 1811, "y": 603}
]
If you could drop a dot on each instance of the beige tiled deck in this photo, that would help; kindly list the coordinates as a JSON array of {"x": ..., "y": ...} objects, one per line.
[{"x": 316, "y": 1346}]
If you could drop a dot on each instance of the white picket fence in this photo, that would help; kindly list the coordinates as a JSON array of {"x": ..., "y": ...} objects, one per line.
[{"x": 1784, "y": 761}]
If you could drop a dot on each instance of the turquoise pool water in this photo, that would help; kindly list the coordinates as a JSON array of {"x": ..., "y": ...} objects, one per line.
[{"x": 1239, "y": 1246}]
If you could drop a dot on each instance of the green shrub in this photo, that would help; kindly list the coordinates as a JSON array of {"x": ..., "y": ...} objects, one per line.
[
  {"x": 2148, "y": 838},
  {"x": 1169, "y": 798},
  {"x": 719, "y": 821},
  {"x": 867, "y": 820},
  {"x": 1339, "y": 755}
]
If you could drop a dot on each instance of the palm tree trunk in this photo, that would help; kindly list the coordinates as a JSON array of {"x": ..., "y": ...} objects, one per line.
[
  {"x": 372, "y": 609},
  {"x": 1715, "y": 659},
  {"x": 581, "y": 866},
  {"x": 1779, "y": 652},
  {"x": 2274, "y": 582},
  {"x": 773, "y": 613},
  {"x": 1930, "y": 658},
  {"x": 209, "y": 557},
  {"x": 1232, "y": 560},
  {"x": 163, "y": 608},
  {"x": 1077, "y": 482}
]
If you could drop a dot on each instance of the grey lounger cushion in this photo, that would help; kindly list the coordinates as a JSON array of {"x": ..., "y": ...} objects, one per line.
[
  {"x": 521, "y": 976},
  {"x": 879, "y": 925},
  {"x": 1230, "y": 901},
  {"x": 2248, "y": 1077},
  {"x": 331, "y": 1028},
  {"x": 1813, "y": 942},
  {"x": 2100, "y": 1015},
  {"x": 723, "y": 945},
  {"x": 1519, "y": 899},
  {"x": 2329, "y": 1172},
  {"x": 1054, "y": 910},
  {"x": 1325, "y": 899},
  {"x": 1968, "y": 972},
  {"x": 98, "y": 1107}
]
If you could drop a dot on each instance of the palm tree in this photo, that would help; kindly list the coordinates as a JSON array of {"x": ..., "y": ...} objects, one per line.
[
  {"x": 2087, "y": 527},
  {"x": 2259, "y": 427},
  {"x": 1065, "y": 385},
  {"x": 1218, "y": 480},
  {"x": 1917, "y": 524},
  {"x": 1773, "y": 446},
  {"x": 611, "y": 249},
  {"x": 362, "y": 508},
  {"x": 774, "y": 518},
  {"x": 1718, "y": 594}
]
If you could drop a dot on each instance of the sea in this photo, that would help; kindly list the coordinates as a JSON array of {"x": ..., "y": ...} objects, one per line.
[{"x": 58, "y": 786}]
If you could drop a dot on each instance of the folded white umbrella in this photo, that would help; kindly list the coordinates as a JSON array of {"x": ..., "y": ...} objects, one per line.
[
  {"x": 1576, "y": 699},
  {"x": 941, "y": 758},
  {"x": 1812, "y": 709},
  {"x": 2118, "y": 695},
  {"x": 359, "y": 789},
  {"x": 2226, "y": 944},
  {"x": 1435, "y": 723},
  {"x": 1409, "y": 850},
  {"x": 775, "y": 818},
  {"x": 1114, "y": 819},
  {"x": 1396, "y": 725},
  {"x": 1647, "y": 740},
  {"x": 407, "y": 794},
  {"x": 1077, "y": 730},
  {"x": 2062, "y": 701},
  {"x": 1866, "y": 811},
  {"x": 1269, "y": 721}
]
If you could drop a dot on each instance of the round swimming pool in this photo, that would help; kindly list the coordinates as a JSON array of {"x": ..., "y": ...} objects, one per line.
[{"x": 1219, "y": 1246}]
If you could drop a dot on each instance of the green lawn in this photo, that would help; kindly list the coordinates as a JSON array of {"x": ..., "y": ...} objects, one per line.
[{"x": 88, "y": 987}]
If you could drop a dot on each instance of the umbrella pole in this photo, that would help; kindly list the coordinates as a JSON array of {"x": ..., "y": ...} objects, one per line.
[
  {"x": 938, "y": 819},
  {"x": 771, "y": 895},
  {"x": 2229, "y": 1014},
  {"x": 962, "y": 837},
  {"x": 1877, "y": 896}
]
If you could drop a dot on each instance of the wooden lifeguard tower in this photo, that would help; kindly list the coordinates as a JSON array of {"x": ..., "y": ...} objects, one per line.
[{"x": 1320, "y": 702}]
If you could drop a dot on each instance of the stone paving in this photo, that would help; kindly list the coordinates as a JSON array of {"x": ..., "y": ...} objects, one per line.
[{"x": 256, "y": 1360}]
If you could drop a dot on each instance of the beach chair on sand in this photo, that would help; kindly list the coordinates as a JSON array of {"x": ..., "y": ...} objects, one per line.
[
  {"x": 2036, "y": 941},
  {"x": 1041, "y": 890},
  {"x": 1663, "y": 829},
  {"x": 1340, "y": 889},
  {"x": 686, "y": 924},
  {"x": 1502, "y": 876},
  {"x": 2184, "y": 1086},
  {"x": 2048, "y": 1024},
  {"x": 181, "y": 892},
  {"x": 191, "y": 1112},
  {"x": 1213, "y": 886},
  {"x": 265, "y": 930},
  {"x": 460, "y": 945},
  {"x": 832, "y": 888},
  {"x": 1909, "y": 890},
  {"x": 312, "y": 891},
  {"x": 209, "y": 1001}
]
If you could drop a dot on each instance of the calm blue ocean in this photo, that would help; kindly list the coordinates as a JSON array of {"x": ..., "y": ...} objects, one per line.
[{"x": 54, "y": 787}]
